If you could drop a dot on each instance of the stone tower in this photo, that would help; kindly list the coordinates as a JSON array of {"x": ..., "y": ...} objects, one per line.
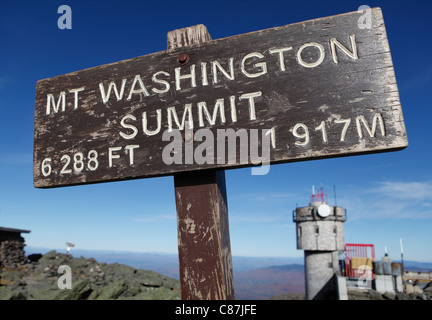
[{"x": 320, "y": 234}]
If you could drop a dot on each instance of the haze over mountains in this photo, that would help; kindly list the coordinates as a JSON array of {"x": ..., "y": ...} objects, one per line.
[
  {"x": 254, "y": 277},
  {"x": 165, "y": 263}
]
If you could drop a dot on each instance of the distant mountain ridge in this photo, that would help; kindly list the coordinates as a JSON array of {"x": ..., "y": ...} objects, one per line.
[
  {"x": 265, "y": 283},
  {"x": 167, "y": 263},
  {"x": 254, "y": 277}
]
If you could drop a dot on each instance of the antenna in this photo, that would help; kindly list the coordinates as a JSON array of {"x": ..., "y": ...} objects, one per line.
[
  {"x": 334, "y": 193},
  {"x": 319, "y": 196},
  {"x": 401, "y": 252}
]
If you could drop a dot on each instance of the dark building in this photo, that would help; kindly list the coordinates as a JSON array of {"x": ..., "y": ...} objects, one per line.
[{"x": 12, "y": 246}]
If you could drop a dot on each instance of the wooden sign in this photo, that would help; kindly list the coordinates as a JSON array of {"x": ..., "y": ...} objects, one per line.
[{"x": 315, "y": 89}]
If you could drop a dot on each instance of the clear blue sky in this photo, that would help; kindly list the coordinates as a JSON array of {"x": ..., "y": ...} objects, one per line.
[{"x": 388, "y": 196}]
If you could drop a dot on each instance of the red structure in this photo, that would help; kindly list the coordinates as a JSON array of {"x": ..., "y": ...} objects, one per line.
[
  {"x": 319, "y": 196},
  {"x": 358, "y": 257}
]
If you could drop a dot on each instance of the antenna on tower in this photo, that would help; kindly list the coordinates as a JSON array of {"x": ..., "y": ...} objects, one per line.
[
  {"x": 334, "y": 193},
  {"x": 401, "y": 246},
  {"x": 319, "y": 196}
]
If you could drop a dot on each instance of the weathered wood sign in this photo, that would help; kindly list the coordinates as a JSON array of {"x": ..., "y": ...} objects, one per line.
[
  {"x": 204, "y": 246},
  {"x": 315, "y": 89}
]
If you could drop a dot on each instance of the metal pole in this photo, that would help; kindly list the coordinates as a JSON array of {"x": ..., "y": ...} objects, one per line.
[{"x": 402, "y": 255}]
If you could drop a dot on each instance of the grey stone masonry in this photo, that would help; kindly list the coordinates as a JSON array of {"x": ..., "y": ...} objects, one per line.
[
  {"x": 320, "y": 234},
  {"x": 12, "y": 246}
]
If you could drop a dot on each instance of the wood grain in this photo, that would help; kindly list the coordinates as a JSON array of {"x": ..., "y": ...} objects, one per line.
[
  {"x": 344, "y": 99},
  {"x": 204, "y": 247}
]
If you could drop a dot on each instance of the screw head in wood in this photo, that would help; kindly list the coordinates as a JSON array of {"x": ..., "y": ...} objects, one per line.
[{"x": 183, "y": 59}]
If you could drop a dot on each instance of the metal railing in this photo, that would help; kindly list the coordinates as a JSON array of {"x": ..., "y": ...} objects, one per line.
[{"x": 359, "y": 259}]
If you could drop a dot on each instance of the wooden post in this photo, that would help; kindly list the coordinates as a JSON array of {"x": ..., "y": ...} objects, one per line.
[{"x": 202, "y": 215}]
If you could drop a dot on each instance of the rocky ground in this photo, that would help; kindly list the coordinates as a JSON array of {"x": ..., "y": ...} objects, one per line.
[
  {"x": 370, "y": 294},
  {"x": 412, "y": 291},
  {"x": 38, "y": 280}
]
